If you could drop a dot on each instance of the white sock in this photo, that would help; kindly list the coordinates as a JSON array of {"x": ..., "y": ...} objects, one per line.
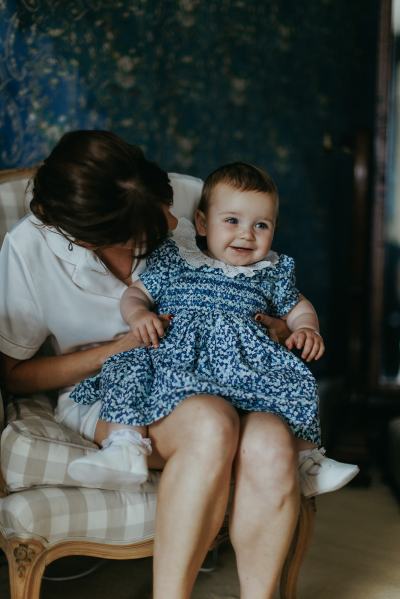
[{"x": 128, "y": 435}]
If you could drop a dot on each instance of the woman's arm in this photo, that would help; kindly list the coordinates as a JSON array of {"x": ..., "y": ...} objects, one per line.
[
  {"x": 46, "y": 373},
  {"x": 277, "y": 328}
]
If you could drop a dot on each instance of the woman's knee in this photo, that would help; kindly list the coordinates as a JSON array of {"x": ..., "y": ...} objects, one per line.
[
  {"x": 267, "y": 453},
  {"x": 215, "y": 422},
  {"x": 207, "y": 427}
]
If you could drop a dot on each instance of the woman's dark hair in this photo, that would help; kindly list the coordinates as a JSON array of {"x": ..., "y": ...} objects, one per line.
[
  {"x": 241, "y": 176},
  {"x": 97, "y": 189}
]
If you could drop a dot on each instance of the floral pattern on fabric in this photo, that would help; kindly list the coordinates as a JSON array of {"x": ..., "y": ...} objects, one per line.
[{"x": 213, "y": 346}]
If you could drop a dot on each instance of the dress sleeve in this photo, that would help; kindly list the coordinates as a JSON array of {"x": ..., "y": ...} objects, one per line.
[
  {"x": 284, "y": 293},
  {"x": 22, "y": 326},
  {"x": 161, "y": 266}
]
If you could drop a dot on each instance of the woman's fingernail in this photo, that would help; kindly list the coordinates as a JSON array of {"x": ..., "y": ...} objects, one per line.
[
  {"x": 258, "y": 317},
  {"x": 170, "y": 316}
]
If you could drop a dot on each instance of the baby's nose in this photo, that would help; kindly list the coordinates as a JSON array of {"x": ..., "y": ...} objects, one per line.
[{"x": 247, "y": 233}]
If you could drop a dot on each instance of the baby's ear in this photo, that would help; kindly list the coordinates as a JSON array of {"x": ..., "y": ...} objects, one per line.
[{"x": 200, "y": 222}]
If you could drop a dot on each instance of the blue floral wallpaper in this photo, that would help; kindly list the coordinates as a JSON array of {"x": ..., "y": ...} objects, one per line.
[{"x": 198, "y": 83}]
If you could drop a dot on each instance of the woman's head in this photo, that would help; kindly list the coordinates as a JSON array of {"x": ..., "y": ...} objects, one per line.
[
  {"x": 237, "y": 213},
  {"x": 98, "y": 190}
]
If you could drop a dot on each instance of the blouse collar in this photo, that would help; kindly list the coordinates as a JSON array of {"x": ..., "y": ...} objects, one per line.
[{"x": 89, "y": 273}]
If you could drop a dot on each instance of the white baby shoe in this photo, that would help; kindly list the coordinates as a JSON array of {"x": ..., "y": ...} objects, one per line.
[
  {"x": 319, "y": 474},
  {"x": 121, "y": 464}
]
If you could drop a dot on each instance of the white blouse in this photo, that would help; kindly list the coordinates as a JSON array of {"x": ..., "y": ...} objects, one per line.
[{"x": 69, "y": 297}]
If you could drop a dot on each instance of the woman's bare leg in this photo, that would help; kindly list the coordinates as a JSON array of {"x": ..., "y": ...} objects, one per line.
[
  {"x": 198, "y": 440},
  {"x": 266, "y": 503}
]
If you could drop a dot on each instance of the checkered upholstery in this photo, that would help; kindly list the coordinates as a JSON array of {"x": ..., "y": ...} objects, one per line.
[
  {"x": 35, "y": 452},
  {"x": 54, "y": 513},
  {"x": 35, "y": 449}
]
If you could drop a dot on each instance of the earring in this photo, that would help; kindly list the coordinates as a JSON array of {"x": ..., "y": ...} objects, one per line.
[{"x": 70, "y": 246}]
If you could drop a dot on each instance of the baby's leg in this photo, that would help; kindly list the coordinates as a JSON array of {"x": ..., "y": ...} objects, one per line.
[{"x": 122, "y": 461}]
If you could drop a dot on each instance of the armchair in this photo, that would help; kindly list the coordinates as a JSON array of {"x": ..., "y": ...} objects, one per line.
[{"x": 43, "y": 514}]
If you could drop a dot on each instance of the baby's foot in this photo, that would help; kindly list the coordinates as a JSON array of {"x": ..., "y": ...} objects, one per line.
[
  {"x": 120, "y": 465},
  {"x": 319, "y": 474}
]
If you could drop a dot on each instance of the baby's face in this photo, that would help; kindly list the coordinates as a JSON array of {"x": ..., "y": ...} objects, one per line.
[{"x": 239, "y": 225}]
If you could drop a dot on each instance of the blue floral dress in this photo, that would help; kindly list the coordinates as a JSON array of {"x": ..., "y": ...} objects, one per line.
[{"x": 213, "y": 346}]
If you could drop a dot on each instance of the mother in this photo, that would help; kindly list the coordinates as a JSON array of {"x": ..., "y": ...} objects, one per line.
[{"x": 63, "y": 271}]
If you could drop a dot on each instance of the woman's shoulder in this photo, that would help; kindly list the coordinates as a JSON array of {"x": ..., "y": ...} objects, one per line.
[
  {"x": 25, "y": 234},
  {"x": 33, "y": 241},
  {"x": 27, "y": 225}
]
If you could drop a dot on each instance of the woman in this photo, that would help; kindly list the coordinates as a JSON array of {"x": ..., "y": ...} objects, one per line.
[{"x": 63, "y": 271}]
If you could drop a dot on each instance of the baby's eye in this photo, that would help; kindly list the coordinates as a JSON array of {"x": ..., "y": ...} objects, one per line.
[
  {"x": 262, "y": 226},
  {"x": 231, "y": 220}
]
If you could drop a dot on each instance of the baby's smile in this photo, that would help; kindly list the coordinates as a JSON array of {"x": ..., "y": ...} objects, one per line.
[{"x": 242, "y": 251}]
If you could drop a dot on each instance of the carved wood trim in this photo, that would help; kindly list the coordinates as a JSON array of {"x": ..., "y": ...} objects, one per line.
[
  {"x": 24, "y": 555},
  {"x": 25, "y": 565}
]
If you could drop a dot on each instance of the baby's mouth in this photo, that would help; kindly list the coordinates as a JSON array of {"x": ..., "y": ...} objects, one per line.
[{"x": 241, "y": 250}]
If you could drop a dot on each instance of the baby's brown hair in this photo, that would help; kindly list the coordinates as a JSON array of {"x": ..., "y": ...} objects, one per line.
[{"x": 241, "y": 176}]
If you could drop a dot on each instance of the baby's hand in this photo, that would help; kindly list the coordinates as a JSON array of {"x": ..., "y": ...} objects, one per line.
[
  {"x": 148, "y": 327},
  {"x": 310, "y": 341}
]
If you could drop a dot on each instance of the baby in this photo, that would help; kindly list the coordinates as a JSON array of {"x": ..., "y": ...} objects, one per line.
[{"x": 214, "y": 282}]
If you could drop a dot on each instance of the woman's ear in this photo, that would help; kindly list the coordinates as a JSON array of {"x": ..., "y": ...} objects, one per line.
[{"x": 200, "y": 222}]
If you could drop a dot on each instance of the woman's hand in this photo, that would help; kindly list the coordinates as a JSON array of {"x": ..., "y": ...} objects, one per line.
[
  {"x": 309, "y": 340},
  {"x": 277, "y": 328}
]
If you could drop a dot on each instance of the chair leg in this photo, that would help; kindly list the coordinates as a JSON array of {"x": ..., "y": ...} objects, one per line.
[
  {"x": 298, "y": 548},
  {"x": 26, "y": 565}
]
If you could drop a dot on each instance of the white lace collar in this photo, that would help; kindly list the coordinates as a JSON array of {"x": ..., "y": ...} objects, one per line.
[{"x": 185, "y": 237}]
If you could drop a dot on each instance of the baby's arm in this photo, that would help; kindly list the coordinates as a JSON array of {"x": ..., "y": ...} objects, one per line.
[
  {"x": 146, "y": 326},
  {"x": 302, "y": 320}
]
